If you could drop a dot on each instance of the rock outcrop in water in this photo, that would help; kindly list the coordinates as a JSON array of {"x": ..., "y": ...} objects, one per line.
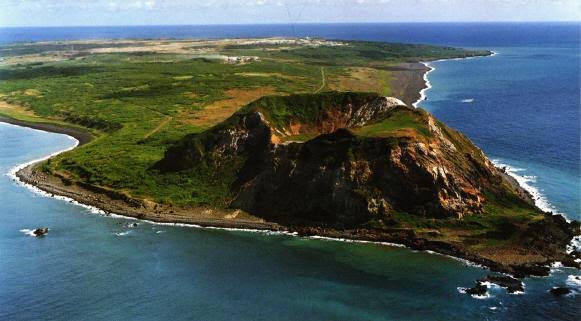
[
  {"x": 41, "y": 231},
  {"x": 480, "y": 289},
  {"x": 559, "y": 291}
]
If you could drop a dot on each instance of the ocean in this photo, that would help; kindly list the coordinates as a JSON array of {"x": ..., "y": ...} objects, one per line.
[{"x": 521, "y": 107}]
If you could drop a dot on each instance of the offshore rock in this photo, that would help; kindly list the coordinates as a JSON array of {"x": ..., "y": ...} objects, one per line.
[
  {"x": 559, "y": 291},
  {"x": 41, "y": 231}
]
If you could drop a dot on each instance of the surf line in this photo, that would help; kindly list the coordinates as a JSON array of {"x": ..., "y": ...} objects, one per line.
[
  {"x": 431, "y": 68},
  {"x": 540, "y": 200}
]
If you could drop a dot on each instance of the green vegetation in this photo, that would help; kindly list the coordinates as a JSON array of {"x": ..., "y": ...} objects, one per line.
[
  {"x": 137, "y": 103},
  {"x": 400, "y": 122},
  {"x": 281, "y": 110},
  {"x": 358, "y": 53},
  {"x": 145, "y": 100}
]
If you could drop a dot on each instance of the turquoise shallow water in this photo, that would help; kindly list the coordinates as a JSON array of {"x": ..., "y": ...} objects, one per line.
[
  {"x": 94, "y": 267},
  {"x": 523, "y": 111}
]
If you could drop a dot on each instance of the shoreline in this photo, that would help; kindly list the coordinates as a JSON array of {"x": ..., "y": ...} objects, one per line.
[
  {"x": 83, "y": 137},
  {"x": 407, "y": 81},
  {"x": 110, "y": 204},
  {"x": 428, "y": 84},
  {"x": 538, "y": 199},
  {"x": 23, "y": 174}
]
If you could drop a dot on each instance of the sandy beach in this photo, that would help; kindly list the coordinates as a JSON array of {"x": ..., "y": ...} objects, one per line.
[
  {"x": 82, "y": 136},
  {"x": 408, "y": 81}
]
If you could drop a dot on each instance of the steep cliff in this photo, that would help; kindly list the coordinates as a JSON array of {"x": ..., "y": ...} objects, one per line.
[{"x": 343, "y": 159}]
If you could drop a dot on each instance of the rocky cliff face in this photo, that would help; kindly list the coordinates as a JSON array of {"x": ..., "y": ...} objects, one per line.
[{"x": 343, "y": 160}]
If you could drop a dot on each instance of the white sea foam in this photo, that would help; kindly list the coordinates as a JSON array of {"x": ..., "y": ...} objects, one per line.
[
  {"x": 490, "y": 285},
  {"x": 575, "y": 244},
  {"x": 336, "y": 239},
  {"x": 28, "y": 232},
  {"x": 526, "y": 182},
  {"x": 432, "y": 68},
  {"x": 468, "y": 100},
  {"x": 482, "y": 297},
  {"x": 556, "y": 266},
  {"x": 427, "y": 82},
  {"x": 574, "y": 281},
  {"x": 476, "y": 296},
  {"x": 464, "y": 261}
]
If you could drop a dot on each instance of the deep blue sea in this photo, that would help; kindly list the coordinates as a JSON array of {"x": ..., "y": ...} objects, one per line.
[{"x": 522, "y": 107}]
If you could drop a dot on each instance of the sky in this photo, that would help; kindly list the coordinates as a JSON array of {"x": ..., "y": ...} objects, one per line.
[{"x": 193, "y": 12}]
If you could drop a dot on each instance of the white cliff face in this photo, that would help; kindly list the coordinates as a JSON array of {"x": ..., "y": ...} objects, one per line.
[
  {"x": 392, "y": 101},
  {"x": 370, "y": 111}
]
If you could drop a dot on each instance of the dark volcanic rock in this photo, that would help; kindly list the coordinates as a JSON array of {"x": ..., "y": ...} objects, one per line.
[
  {"x": 511, "y": 284},
  {"x": 479, "y": 289},
  {"x": 550, "y": 235},
  {"x": 521, "y": 271},
  {"x": 41, "y": 231},
  {"x": 559, "y": 291}
]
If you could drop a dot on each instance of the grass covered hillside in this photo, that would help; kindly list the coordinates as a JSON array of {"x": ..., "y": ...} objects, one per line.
[{"x": 139, "y": 97}]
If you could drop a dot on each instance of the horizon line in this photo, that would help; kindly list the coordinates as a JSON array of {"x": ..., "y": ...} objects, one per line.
[{"x": 304, "y": 23}]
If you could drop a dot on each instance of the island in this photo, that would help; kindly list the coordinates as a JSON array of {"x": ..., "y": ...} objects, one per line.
[{"x": 307, "y": 136}]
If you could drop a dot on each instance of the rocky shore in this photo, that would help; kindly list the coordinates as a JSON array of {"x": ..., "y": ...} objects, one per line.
[
  {"x": 115, "y": 203},
  {"x": 413, "y": 241},
  {"x": 112, "y": 202}
]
